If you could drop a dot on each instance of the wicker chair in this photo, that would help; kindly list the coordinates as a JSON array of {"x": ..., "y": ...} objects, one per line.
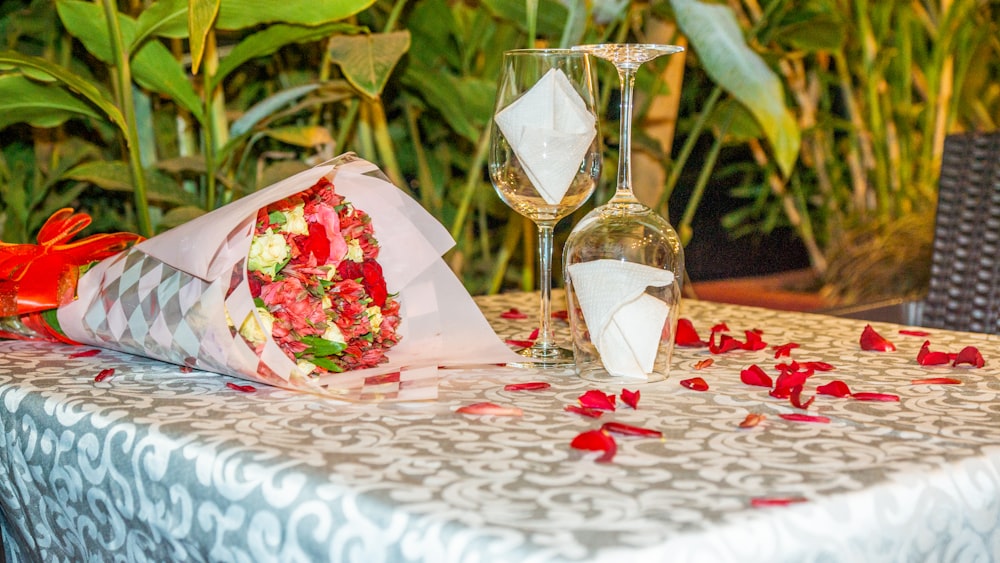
[{"x": 964, "y": 292}]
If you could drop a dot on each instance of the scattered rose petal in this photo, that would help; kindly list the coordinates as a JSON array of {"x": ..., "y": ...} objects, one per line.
[
  {"x": 527, "y": 386},
  {"x": 926, "y": 357},
  {"x": 883, "y": 397},
  {"x": 596, "y": 440},
  {"x": 936, "y": 381},
  {"x": 704, "y": 363},
  {"x": 686, "y": 335},
  {"x": 534, "y": 335},
  {"x": 85, "y": 353},
  {"x": 721, "y": 327},
  {"x": 695, "y": 383},
  {"x": 104, "y": 374},
  {"x": 561, "y": 315},
  {"x": 818, "y": 366},
  {"x": 754, "y": 340},
  {"x": 752, "y": 419},
  {"x": 241, "y": 388},
  {"x": 755, "y": 375},
  {"x": 969, "y": 355},
  {"x": 921, "y": 333},
  {"x": 791, "y": 376},
  {"x": 585, "y": 411},
  {"x": 795, "y": 396},
  {"x": 489, "y": 409},
  {"x": 759, "y": 502},
  {"x": 784, "y": 350},
  {"x": 513, "y": 313},
  {"x": 630, "y": 398},
  {"x": 799, "y": 417},
  {"x": 629, "y": 430},
  {"x": 726, "y": 344},
  {"x": 875, "y": 342},
  {"x": 835, "y": 388},
  {"x": 520, "y": 343},
  {"x": 598, "y": 400}
]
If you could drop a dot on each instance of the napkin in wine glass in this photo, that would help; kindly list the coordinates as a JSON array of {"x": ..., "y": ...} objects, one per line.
[
  {"x": 550, "y": 130},
  {"x": 625, "y": 322}
]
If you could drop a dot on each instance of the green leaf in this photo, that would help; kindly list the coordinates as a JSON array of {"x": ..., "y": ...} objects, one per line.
[
  {"x": 465, "y": 103},
  {"x": 368, "y": 59},
  {"x": 163, "y": 18},
  {"x": 552, "y": 16},
  {"x": 201, "y": 16},
  {"x": 729, "y": 61},
  {"x": 85, "y": 21},
  {"x": 301, "y": 135},
  {"x": 268, "y": 41},
  {"x": 820, "y": 32},
  {"x": 240, "y": 14},
  {"x": 26, "y": 101},
  {"x": 116, "y": 176},
  {"x": 267, "y": 107},
  {"x": 72, "y": 81},
  {"x": 180, "y": 215}
]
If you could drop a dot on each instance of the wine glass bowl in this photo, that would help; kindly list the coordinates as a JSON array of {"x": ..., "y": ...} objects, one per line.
[
  {"x": 623, "y": 262},
  {"x": 545, "y": 158}
]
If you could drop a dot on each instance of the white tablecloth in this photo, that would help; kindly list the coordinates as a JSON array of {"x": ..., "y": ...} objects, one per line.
[{"x": 157, "y": 464}]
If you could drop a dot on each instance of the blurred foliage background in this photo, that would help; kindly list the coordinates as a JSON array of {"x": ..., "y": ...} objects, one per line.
[{"x": 820, "y": 118}]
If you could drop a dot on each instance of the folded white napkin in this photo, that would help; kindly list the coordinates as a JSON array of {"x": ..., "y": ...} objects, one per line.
[
  {"x": 549, "y": 129},
  {"x": 625, "y": 323}
]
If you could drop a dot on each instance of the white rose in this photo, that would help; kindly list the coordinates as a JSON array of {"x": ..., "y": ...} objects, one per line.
[
  {"x": 305, "y": 367},
  {"x": 333, "y": 334},
  {"x": 254, "y": 331},
  {"x": 267, "y": 252},
  {"x": 374, "y": 317},
  {"x": 354, "y": 252},
  {"x": 295, "y": 221}
]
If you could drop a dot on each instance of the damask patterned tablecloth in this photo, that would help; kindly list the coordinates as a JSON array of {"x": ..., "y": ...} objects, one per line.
[{"x": 157, "y": 464}]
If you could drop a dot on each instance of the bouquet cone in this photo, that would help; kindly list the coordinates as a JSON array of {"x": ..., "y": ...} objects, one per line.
[{"x": 343, "y": 295}]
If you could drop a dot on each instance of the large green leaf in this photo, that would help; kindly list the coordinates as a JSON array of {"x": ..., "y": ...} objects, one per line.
[
  {"x": 201, "y": 16},
  {"x": 153, "y": 66},
  {"x": 41, "y": 105},
  {"x": 72, "y": 81},
  {"x": 553, "y": 17},
  {"x": 733, "y": 65},
  {"x": 163, "y": 18},
  {"x": 465, "y": 103},
  {"x": 116, "y": 176},
  {"x": 367, "y": 59},
  {"x": 240, "y": 14},
  {"x": 267, "y": 107},
  {"x": 268, "y": 41}
]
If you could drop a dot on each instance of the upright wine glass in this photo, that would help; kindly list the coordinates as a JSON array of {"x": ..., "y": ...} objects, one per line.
[
  {"x": 545, "y": 158},
  {"x": 623, "y": 262}
]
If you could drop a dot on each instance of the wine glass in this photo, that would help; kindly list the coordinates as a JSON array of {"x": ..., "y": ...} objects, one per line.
[
  {"x": 545, "y": 158},
  {"x": 623, "y": 262}
]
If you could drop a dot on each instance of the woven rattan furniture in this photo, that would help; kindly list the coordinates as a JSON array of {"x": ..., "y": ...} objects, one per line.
[{"x": 964, "y": 291}]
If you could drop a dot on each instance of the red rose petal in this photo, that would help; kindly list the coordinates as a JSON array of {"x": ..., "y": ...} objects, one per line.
[
  {"x": 835, "y": 388},
  {"x": 489, "y": 409},
  {"x": 936, "y": 381},
  {"x": 241, "y": 388},
  {"x": 686, "y": 335},
  {"x": 969, "y": 355},
  {"x": 883, "y": 397},
  {"x": 520, "y": 343},
  {"x": 85, "y": 353},
  {"x": 695, "y": 383},
  {"x": 799, "y": 417},
  {"x": 784, "y": 350},
  {"x": 597, "y": 400},
  {"x": 751, "y": 420},
  {"x": 629, "y": 430},
  {"x": 914, "y": 332},
  {"x": 630, "y": 398},
  {"x": 755, "y": 375},
  {"x": 561, "y": 315},
  {"x": 875, "y": 342},
  {"x": 534, "y": 335},
  {"x": 754, "y": 341},
  {"x": 704, "y": 363},
  {"x": 759, "y": 502},
  {"x": 818, "y": 366},
  {"x": 721, "y": 327},
  {"x": 788, "y": 380},
  {"x": 513, "y": 313},
  {"x": 726, "y": 343},
  {"x": 927, "y": 358},
  {"x": 104, "y": 374},
  {"x": 585, "y": 411},
  {"x": 596, "y": 440},
  {"x": 527, "y": 386},
  {"x": 795, "y": 396}
]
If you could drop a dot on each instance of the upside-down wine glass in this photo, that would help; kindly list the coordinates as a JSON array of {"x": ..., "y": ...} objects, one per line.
[
  {"x": 623, "y": 262},
  {"x": 545, "y": 158}
]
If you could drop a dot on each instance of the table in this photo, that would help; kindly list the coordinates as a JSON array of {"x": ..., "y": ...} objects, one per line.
[{"x": 157, "y": 464}]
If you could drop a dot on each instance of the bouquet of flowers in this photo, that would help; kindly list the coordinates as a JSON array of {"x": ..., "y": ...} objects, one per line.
[{"x": 328, "y": 281}]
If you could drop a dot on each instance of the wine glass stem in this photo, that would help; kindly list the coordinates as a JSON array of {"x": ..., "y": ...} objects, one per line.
[
  {"x": 626, "y": 77},
  {"x": 546, "y": 338}
]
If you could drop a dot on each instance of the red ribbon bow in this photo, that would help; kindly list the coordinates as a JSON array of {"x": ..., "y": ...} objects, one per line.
[{"x": 38, "y": 277}]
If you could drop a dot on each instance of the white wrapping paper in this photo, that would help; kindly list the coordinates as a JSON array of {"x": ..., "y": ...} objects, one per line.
[{"x": 172, "y": 297}]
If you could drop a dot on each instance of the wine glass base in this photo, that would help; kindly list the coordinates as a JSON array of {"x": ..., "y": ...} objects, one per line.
[
  {"x": 544, "y": 357},
  {"x": 601, "y": 376}
]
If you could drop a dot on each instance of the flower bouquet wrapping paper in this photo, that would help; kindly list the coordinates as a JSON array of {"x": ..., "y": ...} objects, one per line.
[{"x": 330, "y": 281}]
